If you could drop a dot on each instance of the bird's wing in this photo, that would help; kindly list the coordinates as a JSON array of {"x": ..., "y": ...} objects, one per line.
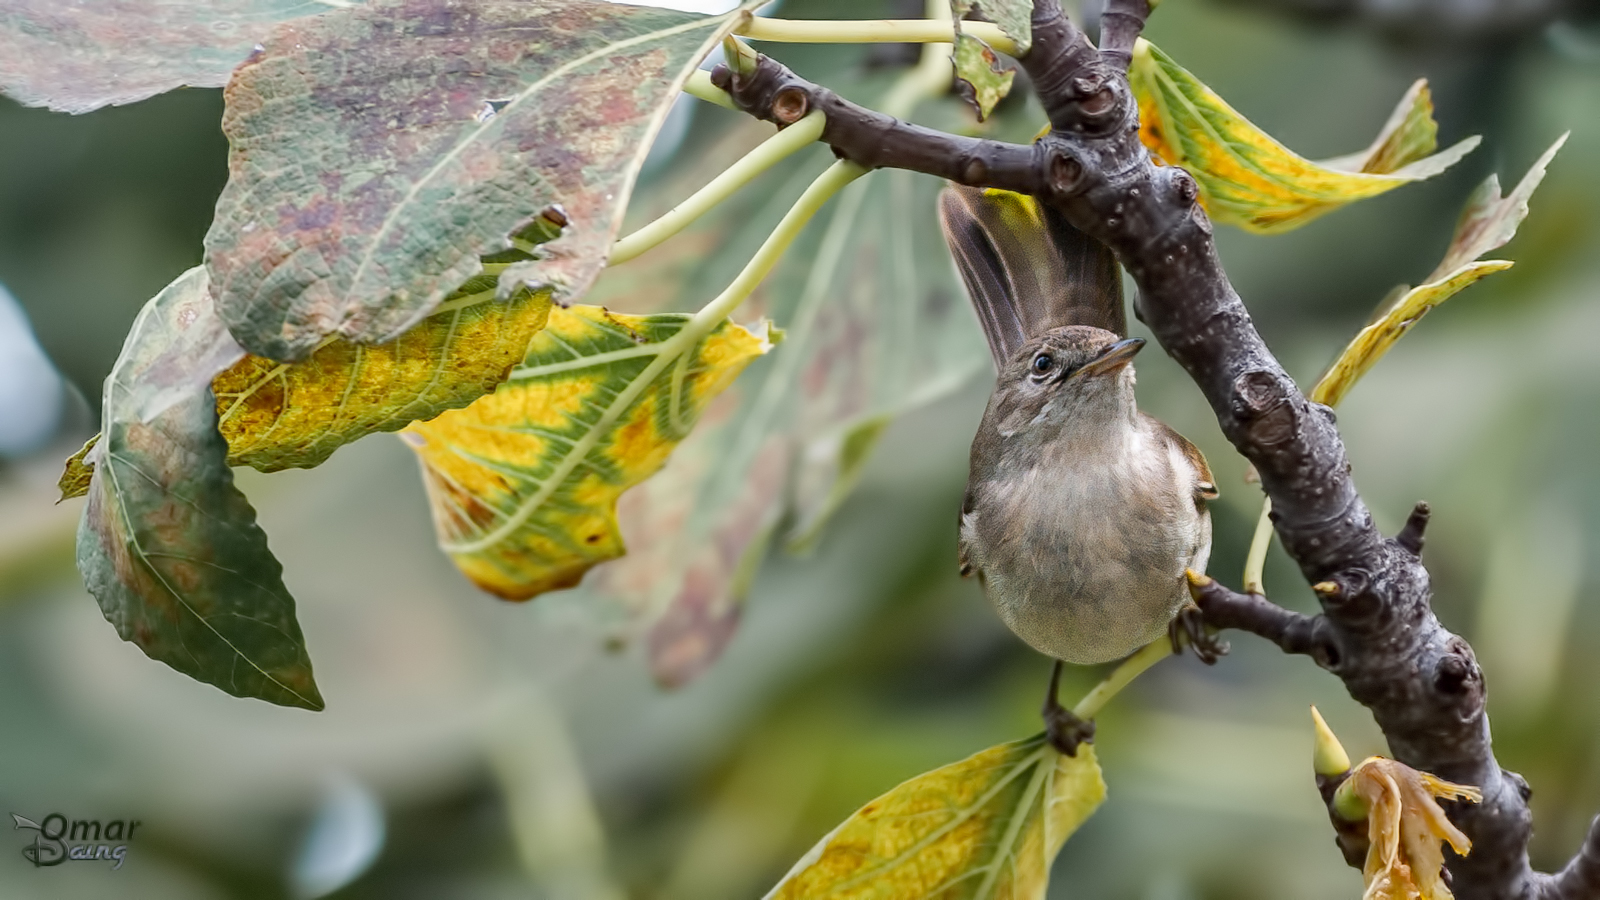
[
  {"x": 1027, "y": 269},
  {"x": 1205, "y": 486}
]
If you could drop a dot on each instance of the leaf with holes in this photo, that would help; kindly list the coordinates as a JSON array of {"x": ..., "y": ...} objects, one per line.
[
  {"x": 167, "y": 544},
  {"x": 1250, "y": 180},
  {"x": 985, "y": 828},
  {"x": 75, "y": 57},
  {"x": 377, "y": 152},
  {"x": 524, "y": 483},
  {"x": 980, "y": 77},
  {"x": 1015, "y": 17},
  {"x": 1487, "y": 223}
]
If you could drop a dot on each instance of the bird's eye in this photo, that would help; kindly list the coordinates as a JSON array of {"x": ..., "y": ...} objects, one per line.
[{"x": 1043, "y": 363}]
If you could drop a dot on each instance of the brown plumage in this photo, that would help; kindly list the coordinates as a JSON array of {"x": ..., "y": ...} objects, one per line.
[{"x": 1081, "y": 512}]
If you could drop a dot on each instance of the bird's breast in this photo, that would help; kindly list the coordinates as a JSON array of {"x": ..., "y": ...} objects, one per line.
[{"x": 1083, "y": 555}]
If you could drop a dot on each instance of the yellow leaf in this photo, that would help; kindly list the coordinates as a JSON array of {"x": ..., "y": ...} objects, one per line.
[
  {"x": 524, "y": 482},
  {"x": 277, "y": 415},
  {"x": 1405, "y": 828},
  {"x": 985, "y": 828},
  {"x": 280, "y": 415},
  {"x": 74, "y": 481},
  {"x": 1487, "y": 223},
  {"x": 1250, "y": 180},
  {"x": 1373, "y": 341}
]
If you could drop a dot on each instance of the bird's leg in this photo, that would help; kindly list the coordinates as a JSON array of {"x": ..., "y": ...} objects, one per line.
[
  {"x": 1189, "y": 626},
  {"x": 1062, "y": 727}
]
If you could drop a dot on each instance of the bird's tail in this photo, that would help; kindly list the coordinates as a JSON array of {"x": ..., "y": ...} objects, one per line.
[{"x": 1027, "y": 269}]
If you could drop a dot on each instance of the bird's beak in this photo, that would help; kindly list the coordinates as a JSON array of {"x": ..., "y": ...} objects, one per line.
[{"x": 1111, "y": 359}]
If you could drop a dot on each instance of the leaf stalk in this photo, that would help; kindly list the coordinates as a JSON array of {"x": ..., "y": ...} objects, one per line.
[
  {"x": 893, "y": 31},
  {"x": 776, "y": 148}
]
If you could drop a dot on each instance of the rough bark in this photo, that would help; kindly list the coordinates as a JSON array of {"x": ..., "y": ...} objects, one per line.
[{"x": 1377, "y": 631}]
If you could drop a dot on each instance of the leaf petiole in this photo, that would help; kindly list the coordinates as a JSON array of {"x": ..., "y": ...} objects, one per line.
[
  {"x": 850, "y": 31},
  {"x": 700, "y": 87},
  {"x": 1255, "y": 562},
  {"x": 1122, "y": 676},
  {"x": 776, "y": 148}
]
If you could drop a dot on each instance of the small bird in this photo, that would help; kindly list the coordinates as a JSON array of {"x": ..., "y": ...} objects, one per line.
[{"x": 1081, "y": 512}]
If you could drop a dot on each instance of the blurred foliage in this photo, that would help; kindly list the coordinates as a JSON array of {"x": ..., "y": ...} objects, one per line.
[{"x": 869, "y": 662}]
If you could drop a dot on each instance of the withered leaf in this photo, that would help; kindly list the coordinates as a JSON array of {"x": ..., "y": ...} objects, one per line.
[
  {"x": 377, "y": 152},
  {"x": 167, "y": 544},
  {"x": 75, "y": 57}
]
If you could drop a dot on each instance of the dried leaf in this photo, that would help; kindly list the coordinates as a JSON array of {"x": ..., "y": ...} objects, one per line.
[
  {"x": 75, "y": 57},
  {"x": 524, "y": 483},
  {"x": 74, "y": 481},
  {"x": 985, "y": 828},
  {"x": 1250, "y": 180},
  {"x": 980, "y": 77},
  {"x": 1406, "y": 828},
  {"x": 1487, "y": 223},
  {"x": 377, "y": 152},
  {"x": 167, "y": 544}
]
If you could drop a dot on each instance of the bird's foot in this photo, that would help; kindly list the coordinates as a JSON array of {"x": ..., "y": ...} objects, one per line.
[
  {"x": 1189, "y": 627},
  {"x": 1062, "y": 727}
]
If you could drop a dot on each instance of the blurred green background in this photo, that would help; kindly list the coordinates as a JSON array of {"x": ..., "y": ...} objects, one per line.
[{"x": 489, "y": 750}]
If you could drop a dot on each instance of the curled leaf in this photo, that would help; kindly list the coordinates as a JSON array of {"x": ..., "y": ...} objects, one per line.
[
  {"x": 377, "y": 151},
  {"x": 1406, "y": 829},
  {"x": 167, "y": 544},
  {"x": 524, "y": 483},
  {"x": 1247, "y": 178},
  {"x": 980, "y": 77},
  {"x": 985, "y": 828},
  {"x": 1487, "y": 223},
  {"x": 74, "y": 481}
]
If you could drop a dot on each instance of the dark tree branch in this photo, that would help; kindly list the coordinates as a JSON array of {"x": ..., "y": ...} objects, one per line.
[{"x": 1377, "y": 631}]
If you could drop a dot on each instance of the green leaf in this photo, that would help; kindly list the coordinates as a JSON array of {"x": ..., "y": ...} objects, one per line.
[
  {"x": 75, "y": 57},
  {"x": 1247, "y": 178},
  {"x": 377, "y": 152},
  {"x": 979, "y": 75},
  {"x": 167, "y": 544},
  {"x": 1015, "y": 17},
  {"x": 985, "y": 828},
  {"x": 1487, "y": 223},
  {"x": 524, "y": 483}
]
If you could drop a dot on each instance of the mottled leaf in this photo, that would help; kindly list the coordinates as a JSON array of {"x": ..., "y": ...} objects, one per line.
[
  {"x": 1487, "y": 223},
  {"x": 78, "y": 56},
  {"x": 985, "y": 828},
  {"x": 377, "y": 152},
  {"x": 278, "y": 415},
  {"x": 524, "y": 482},
  {"x": 980, "y": 77},
  {"x": 167, "y": 545},
  {"x": 281, "y": 415},
  {"x": 1015, "y": 17},
  {"x": 1250, "y": 180}
]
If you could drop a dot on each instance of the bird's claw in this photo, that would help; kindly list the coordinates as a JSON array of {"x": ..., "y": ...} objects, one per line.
[
  {"x": 1066, "y": 731},
  {"x": 1189, "y": 627},
  {"x": 1062, "y": 727}
]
